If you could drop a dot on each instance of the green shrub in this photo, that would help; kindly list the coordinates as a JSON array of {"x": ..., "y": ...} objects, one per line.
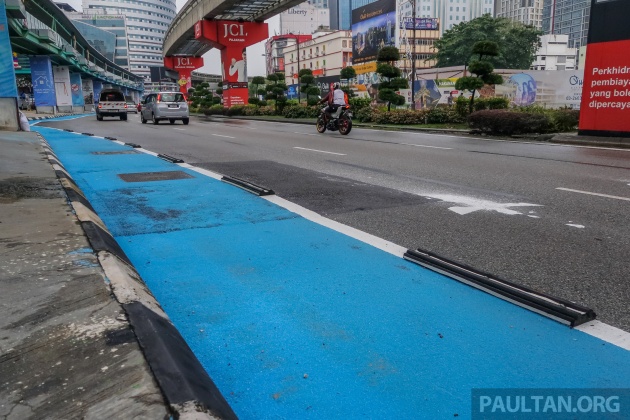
[
  {"x": 357, "y": 104},
  {"x": 462, "y": 107},
  {"x": 253, "y": 101},
  {"x": 251, "y": 110},
  {"x": 497, "y": 103},
  {"x": 363, "y": 115},
  {"x": 438, "y": 115},
  {"x": 509, "y": 122},
  {"x": 214, "y": 110},
  {"x": 301, "y": 111},
  {"x": 235, "y": 110},
  {"x": 565, "y": 119}
]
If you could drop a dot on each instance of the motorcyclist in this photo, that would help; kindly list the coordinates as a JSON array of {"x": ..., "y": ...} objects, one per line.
[{"x": 335, "y": 98}]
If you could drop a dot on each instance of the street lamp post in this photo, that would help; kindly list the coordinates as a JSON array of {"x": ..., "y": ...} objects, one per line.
[{"x": 413, "y": 55}]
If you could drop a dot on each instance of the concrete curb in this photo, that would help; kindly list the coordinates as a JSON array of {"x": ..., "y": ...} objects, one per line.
[
  {"x": 187, "y": 387},
  {"x": 48, "y": 117}
]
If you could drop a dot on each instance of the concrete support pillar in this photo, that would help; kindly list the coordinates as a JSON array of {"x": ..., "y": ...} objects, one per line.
[
  {"x": 232, "y": 38},
  {"x": 8, "y": 85},
  {"x": 184, "y": 65}
]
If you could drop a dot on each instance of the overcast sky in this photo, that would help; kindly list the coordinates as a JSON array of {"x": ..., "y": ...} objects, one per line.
[{"x": 212, "y": 59}]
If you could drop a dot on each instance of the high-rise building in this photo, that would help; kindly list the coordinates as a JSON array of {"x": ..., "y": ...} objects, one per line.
[
  {"x": 567, "y": 17},
  {"x": 528, "y": 12},
  {"x": 303, "y": 19},
  {"x": 449, "y": 12},
  {"x": 147, "y": 23},
  {"x": 341, "y": 12}
]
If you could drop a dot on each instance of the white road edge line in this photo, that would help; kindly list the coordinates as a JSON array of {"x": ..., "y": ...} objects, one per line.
[
  {"x": 306, "y": 134},
  {"x": 320, "y": 151},
  {"x": 201, "y": 171},
  {"x": 220, "y": 135},
  {"x": 593, "y": 193},
  {"x": 180, "y": 129},
  {"x": 422, "y": 145},
  {"x": 365, "y": 237},
  {"x": 606, "y": 332}
]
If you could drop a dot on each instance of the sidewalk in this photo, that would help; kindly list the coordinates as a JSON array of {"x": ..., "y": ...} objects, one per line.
[{"x": 66, "y": 348}]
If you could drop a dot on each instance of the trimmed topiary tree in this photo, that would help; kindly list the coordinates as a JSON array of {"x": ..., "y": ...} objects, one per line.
[
  {"x": 390, "y": 77},
  {"x": 482, "y": 69}
]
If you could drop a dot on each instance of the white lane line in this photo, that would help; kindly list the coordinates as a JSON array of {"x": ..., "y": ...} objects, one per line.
[
  {"x": 360, "y": 235},
  {"x": 431, "y": 147},
  {"x": 593, "y": 193},
  {"x": 306, "y": 134},
  {"x": 320, "y": 151},
  {"x": 220, "y": 135},
  {"x": 180, "y": 129}
]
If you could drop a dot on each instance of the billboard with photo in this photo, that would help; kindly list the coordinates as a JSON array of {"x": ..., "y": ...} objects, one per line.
[
  {"x": 551, "y": 89},
  {"x": 421, "y": 23},
  {"x": 373, "y": 27}
]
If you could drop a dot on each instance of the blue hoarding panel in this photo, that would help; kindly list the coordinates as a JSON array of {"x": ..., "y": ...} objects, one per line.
[
  {"x": 98, "y": 86},
  {"x": 8, "y": 87},
  {"x": 76, "y": 87},
  {"x": 43, "y": 81}
]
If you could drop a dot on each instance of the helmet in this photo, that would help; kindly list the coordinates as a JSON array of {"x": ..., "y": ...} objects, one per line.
[{"x": 335, "y": 85}]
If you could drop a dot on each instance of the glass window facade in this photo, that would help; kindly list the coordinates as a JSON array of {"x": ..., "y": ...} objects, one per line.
[{"x": 567, "y": 17}]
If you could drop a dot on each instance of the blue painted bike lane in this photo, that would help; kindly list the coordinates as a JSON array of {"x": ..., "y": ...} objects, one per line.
[{"x": 294, "y": 320}]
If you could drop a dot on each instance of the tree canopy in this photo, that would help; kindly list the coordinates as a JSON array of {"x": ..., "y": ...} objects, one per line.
[{"x": 517, "y": 43}]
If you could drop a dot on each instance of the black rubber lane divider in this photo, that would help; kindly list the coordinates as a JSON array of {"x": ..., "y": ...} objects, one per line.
[
  {"x": 179, "y": 373},
  {"x": 170, "y": 158},
  {"x": 88, "y": 134},
  {"x": 134, "y": 145},
  {"x": 559, "y": 309},
  {"x": 101, "y": 240},
  {"x": 247, "y": 186},
  {"x": 68, "y": 130},
  {"x": 111, "y": 138}
]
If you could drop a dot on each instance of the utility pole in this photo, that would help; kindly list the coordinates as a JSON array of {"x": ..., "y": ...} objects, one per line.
[
  {"x": 299, "y": 90},
  {"x": 413, "y": 55}
]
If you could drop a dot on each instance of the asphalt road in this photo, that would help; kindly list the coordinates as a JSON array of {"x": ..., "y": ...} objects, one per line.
[{"x": 552, "y": 217}]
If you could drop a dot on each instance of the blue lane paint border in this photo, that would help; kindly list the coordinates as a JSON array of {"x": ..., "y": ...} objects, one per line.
[{"x": 260, "y": 299}]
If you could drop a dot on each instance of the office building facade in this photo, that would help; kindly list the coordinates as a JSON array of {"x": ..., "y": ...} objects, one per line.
[
  {"x": 449, "y": 12},
  {"x": 147, "y": 23},
  {"x": 527, "y": 12},
  {"x": 567, "y": 17}
]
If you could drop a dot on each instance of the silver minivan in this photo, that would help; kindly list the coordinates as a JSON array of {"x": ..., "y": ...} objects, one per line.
[{"x": 169, "y": 106}]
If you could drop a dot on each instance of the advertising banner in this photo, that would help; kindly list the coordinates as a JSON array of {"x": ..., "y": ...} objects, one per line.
[
  {"x": 606, "y": 96},
  {"x": 98, "y": 86},
  {"x": 76, "y": 87},
  {"x": 88, "y": 92},
  {"x": 8, "y": 87},
  {"x": 551, "y": 89},
  {"x": 63, "y": 92},
  {"x": 43, "y": 82},
  {"x": 373, "y": 27},
  {"x": 421, "y": 23}
]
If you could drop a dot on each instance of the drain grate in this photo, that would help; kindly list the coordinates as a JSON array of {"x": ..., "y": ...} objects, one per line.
[
  {"x": 154, "y": 176},
  {"x": 117, "y": 152}
]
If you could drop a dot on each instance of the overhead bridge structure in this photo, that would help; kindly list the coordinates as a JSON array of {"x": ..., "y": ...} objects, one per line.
[{"x": 228, "y": 25}]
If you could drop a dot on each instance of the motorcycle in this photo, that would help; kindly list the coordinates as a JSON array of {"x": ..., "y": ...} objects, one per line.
[{"x": 340, "y": 120}]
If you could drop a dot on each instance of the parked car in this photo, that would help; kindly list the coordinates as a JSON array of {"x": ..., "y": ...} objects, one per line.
[
  {"x": 131, "y": 105},
  {"x": 169, "y": 106},
  {"x": 111, "y": 103},
  {"x": 26, "y": 103}
]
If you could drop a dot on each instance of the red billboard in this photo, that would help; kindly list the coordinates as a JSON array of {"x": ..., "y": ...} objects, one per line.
[{"x": 605, "y": 107}]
